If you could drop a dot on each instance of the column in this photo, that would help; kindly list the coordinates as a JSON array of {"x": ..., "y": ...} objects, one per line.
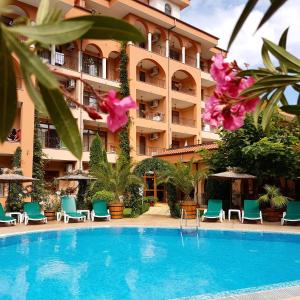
[
  {"x": 183, "y": 55},
  {"x": 149, "y": 41},
  {"x": 104, "y": 59},
  {"x": 198, "y": 60},
  {"x": 167, "y": 48},
  {"x": 52, "y": 57},
  {"x": 79, "y": 61}
]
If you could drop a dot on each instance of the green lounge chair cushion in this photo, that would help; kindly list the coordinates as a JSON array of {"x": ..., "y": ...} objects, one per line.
[
  {"x": 251, "y": 209},
  {"x": 214, "y": 208},
  {"x": 100, "y": 208},
  {"x": 36, "y": 217},
  {"x": 293, "y": 210},
  {"x": 68, "y": 204},
  {"x": 33, "y": 209},
  {"x": 6, "y": 219},
  {"x": 75, "y": 214}
]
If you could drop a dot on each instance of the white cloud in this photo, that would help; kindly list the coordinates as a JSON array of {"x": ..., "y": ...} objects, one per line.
[{"x": 219, "y": 17}]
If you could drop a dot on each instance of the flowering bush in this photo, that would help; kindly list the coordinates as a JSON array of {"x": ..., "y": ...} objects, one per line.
[{"x": 227, "y": 107}]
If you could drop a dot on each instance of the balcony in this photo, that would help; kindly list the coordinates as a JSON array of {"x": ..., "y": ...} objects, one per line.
[
  {"x": 149, "y": 151},
  {"x": 191, "y": 61},
  {"x": 67, "y": 60},
  {"x": 153, "y": 116},
  {"x": 183, "y": 88},
  {"x": 209, "y": 134},
  {"x": 91, "y": 65},
  {"x": 184, "y": 121}
]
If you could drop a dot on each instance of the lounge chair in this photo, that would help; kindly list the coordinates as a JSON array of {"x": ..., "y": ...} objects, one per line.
[
  {"x": 251, "y": 211},
  {"x": 292, "y": 213},
  {"x": 100, "y": 210},
  {"x": 32, "y": 212},
  {"x": 214, "y": 210},
  {"x": 69, "y": 211},
  {"x": 4, "y": 218}
]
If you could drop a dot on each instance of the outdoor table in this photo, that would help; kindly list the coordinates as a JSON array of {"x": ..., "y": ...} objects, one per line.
[
  {"x": 16, "y": 213},
  {"x": 86, "y": 211},
  {"x": 234, "y": 211}
]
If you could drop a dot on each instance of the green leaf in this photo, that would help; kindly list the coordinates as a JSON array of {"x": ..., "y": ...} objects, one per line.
[
  {"x": 243, "y": 17},
  {"x": 258, "y": 111},
  {"x": 32, "y": 63},
  {"x": 282, "y": 43},
  {"x": 271, "y": 105},
  {"x": 275, "y": 5},
  {"x": 58, "y": 33},
  {"x": 254, "y": 73},
  {"x": 282, "y": 55},
  {"x": 43, "y": 11},
  {"x": 266, "y": 59},
  {"x": 108, "y": 28},
  {"x": 283, "y": 100},
  {"x": 62, "y": 119},
  {"x": 278, "y": 80},
  {"x": 33, "y": 92},
  {"x": 296, "y": 87},
  {"x": 8, "y": 93},
  {"x": 291, "y": 109}
]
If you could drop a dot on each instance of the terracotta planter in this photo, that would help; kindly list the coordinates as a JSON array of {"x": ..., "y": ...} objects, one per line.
[
  {"x": 116, "y": 210},
  {"x": 50, "y": 214},
  {"x": 190, "y": 208},
  {"x": 272, "y": 214}
]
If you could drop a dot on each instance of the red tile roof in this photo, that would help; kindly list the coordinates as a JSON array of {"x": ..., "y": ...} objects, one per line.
[{"x": 188, "y": 149}]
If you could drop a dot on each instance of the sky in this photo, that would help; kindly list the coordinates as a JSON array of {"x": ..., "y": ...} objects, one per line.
[{"x": 218, "y": 17}]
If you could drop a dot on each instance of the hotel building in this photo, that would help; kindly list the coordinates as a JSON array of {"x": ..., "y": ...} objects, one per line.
[{"x": 168, "y": 73}]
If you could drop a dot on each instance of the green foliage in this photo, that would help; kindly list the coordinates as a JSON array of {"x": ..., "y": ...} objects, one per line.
[
  {"x": 183, "y": 177},
  {"x": 52, "y": 203},
  {"x": 267, "y": 157},
  {"x": 117, "y": 178},
  {"x": 273, "y": 197},
  {"x": 38, "y": 193},
  {"x": 104, "y": 195},
  {"x": 49, "y": 28},
  {"x": 82, "y": 203},
  {"x": 150, "y": 199},
  {"x": 97, "y": 154},
  {"x": 15, "y": 194},
  {"x": 124, "y": 92}
]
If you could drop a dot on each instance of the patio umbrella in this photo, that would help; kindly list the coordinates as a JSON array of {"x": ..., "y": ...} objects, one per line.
[
  {"x": 232, "y": 174},
  {"x": 76, "y": 177},
  {"x": 9, "y": 178}
]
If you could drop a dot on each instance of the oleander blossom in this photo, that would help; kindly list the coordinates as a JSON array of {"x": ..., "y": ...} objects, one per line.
[{"x": 226, "y": 107}]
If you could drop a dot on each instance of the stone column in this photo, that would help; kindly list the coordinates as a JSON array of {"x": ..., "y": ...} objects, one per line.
[
  {"x": 52, "y": 57},
  {"x": 149, "y": 41},
  {"x": 183, "y": 55},
  {"x": 198, "y": 60},
  {"x": 104, "y": 60},
  {"x": 167, "y": 48}
]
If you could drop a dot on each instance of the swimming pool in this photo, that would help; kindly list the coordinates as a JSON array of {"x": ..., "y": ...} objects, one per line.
[{"x": 143, "y": 263}]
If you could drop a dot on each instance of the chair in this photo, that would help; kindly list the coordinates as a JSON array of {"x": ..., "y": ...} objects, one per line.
[
  {"x": 292, "y": 213},
  {"x": 4, "y": 218},
  {"x": 251, "y": 211},
  {"x": 32, "y": 212},
  {"x": 69, "y": 210},
  {"x": 100, "y": 210},
  {"x": 214, "y": 210}
]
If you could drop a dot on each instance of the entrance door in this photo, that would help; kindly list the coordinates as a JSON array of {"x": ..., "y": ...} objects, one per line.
[{"x": 142, "y": 145}]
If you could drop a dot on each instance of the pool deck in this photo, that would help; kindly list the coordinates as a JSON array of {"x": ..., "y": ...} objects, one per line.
[{"x": 159, "y": 217}]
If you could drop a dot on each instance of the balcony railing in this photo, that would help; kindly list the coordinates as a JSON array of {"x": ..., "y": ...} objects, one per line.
[
  {"x": 178, "y": 87},
  {"x": 191, "y": 60},
  {"x": 52, "y": 142},
  {"x": 154, "y": 81},
  {"x": 153, "y": 116},
  {"x": 159, "y": 49},
  {"x": 45, "y": 56},
  {"x": 208, "y": 128},
  {"x": 183, "y": 121},
  {"x": 91, "y": 65},
  {"x": 67, "y": 60},
  {"x": 150, "y": 151},
  {"x": 110, "y": 148}
]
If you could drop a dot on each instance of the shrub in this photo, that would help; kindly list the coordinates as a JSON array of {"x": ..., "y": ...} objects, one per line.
[
  {"x": 145, "y": 207},
  {"x": 104, "y": 195},
  {"x": 150, "y": 199}
]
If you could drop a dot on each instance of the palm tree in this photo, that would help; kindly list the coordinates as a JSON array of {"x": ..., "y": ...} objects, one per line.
[
  {"x": 116, "y": 178},
  {"x": 183, "y": 177},
  {"x": 273, "y": 197}
]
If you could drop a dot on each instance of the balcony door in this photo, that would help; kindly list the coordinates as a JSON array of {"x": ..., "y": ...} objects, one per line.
[
  {"x": 175, "y": 117},
  {"x": 142, "y": 147}
]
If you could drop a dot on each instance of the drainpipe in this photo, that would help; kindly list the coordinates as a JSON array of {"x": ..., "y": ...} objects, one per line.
[{"x": 168, "y": 91}]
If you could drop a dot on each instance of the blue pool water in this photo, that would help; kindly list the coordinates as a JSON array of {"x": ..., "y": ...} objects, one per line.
[{"x": 139, "y": 263}]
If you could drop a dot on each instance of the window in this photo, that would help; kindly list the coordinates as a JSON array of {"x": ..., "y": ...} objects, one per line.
[
  {"x": 49, "y": 136},
  {"x": 168, "y": 9},
  {"x": 142, "y": 76},
  {"x": 90, "y": 100},
  {"x": 89, "y": 135}
]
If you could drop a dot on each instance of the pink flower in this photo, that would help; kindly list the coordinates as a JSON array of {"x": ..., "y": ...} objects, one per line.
[
  {"x": 219, "y": 70},
  {"x": 117, "y": 110},
  {"x": 234, "y": 117},
  {"x": 93, "y": 114},
  {"x": 213, "y": 111}
]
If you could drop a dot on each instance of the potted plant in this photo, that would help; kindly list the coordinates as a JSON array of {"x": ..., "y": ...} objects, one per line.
[
  {"x": 50, "y": 206},
  {"x": 116, "y": 179},
  {"x": 273, "y": 203},
  {"x": 151, "y": 200},
  {"x": 186, "y": 180},
  {"x": 104, "y": 195}
]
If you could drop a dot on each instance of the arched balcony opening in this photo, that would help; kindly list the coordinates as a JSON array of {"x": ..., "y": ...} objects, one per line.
[
  {"x": 151, "y": 72},
  {"x": 175, "y": 51},
  {"x": 158, "y": 42},
  {"x": 191, "y": 54},
  {"x": 92, "y": 60},
  {"x": 113, "y": 66},
  {"x": 143, "y": 29},
  {"x": 67, "y": 56},
  {"x": 184, "y": 82}
]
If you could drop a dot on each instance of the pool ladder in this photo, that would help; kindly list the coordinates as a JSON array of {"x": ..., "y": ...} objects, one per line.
[{"x": 185, "y": 216}]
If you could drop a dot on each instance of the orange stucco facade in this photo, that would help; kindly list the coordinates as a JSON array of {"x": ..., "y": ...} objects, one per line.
[{"x": 168, "y": 76}]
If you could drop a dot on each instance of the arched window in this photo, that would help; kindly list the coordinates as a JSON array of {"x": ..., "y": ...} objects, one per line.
[{"x": 168, "y": 9}]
